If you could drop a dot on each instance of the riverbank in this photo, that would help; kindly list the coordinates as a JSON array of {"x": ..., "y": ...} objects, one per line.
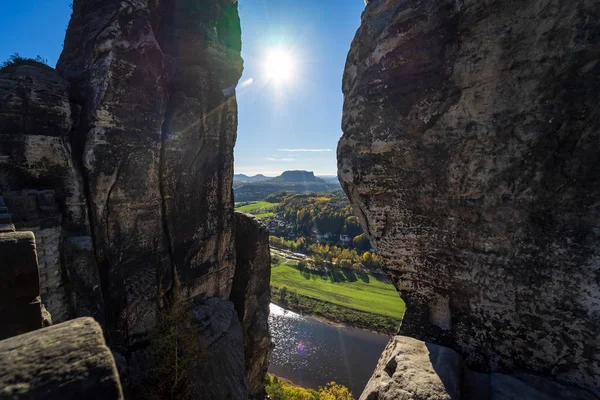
[
  {"x": 366, "y": 301},
  {"x": 336, "y": 314}
]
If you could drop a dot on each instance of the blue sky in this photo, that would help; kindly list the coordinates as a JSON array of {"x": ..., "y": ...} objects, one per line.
[{"x": 292, "y": 124}]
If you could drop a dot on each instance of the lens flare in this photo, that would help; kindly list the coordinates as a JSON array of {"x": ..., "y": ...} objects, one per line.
[{"x": 279, "y": 66}]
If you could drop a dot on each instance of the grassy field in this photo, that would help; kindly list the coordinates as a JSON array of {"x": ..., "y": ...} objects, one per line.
[
  {"x": 260, "y": 209},
  {"x": 365, "y": 293}
]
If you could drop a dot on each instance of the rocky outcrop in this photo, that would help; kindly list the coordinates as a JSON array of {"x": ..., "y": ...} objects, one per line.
[
  {"x": 410, "y": 369},
  {"x": 220, "y": 370},
  {"x": 39, "y": 180},
  {"x": 251, "y": 295},
  {"x": 121, "y": 163},
  {"x": 65, "y": 361},
  {"x": 470, "y": 154},
  {"x": 155, "y": 84},
  {"x": 20, "y": 304}
]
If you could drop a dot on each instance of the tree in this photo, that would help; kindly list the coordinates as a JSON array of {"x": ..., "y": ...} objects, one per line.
[
  {"x": 283, "y": 294},
  {"x": 352, "y": 226},
  {"x": 334, "y": 391},
  {"x": 361, "y": 242},
  {"x": 367, "y": 259}
]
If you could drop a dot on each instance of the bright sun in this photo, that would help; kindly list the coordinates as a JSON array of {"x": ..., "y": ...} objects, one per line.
[{"x": 279, "y": 66}]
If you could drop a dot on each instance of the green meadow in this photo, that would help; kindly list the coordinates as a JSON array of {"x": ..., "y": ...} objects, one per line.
[
  {"x": 363, "y": 292},
  {"x": 260, "y": 209}
]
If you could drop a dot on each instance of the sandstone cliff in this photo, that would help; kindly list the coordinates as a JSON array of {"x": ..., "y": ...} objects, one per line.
[
  {"x": 470, "y": 153},
  {"x": 251, "y": 295},
  {"x": 121, "y": 163}
]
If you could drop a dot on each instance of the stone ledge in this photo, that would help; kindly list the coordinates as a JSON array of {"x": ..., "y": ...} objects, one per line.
[
  {"x": 65, "y": 361},
  {"x": 410, "y": 369}
]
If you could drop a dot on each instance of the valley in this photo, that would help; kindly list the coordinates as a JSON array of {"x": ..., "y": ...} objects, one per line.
[{"x": 322, "y": 263}]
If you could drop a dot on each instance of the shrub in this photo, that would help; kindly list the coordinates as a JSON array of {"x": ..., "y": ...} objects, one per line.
[
  {"x": 173, "y": 352},
  {"x": 16, "y": 61}
]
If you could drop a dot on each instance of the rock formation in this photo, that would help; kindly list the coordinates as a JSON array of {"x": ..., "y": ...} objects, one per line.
[
  {"x": 20, "y": 304},
  {"x": 65, "y": 361},
  {"x": 121, "y": 163},
  {"x": 155, "y": 135},
  {"x": 410, "y": 369},
  {"x": 470, "y": 153},
  {"x": 251, "y": 295},
  {"x": 220, "y": 372}
]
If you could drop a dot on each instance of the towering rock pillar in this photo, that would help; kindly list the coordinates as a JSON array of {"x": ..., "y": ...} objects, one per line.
[
  {"x": 155, "y": 83},
  {"x": 471, "y": 155}
]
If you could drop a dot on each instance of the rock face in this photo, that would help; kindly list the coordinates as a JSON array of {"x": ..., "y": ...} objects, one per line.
[
  {"x": 410, "y": 369},
  {"x": 220, "y": 371},
  {"x": 20, "y": 305},
  {"x": 470, "y": 153},
  {"x": 121, "y": 163},
  {"x": 65, "y": 361},
  {"x": 39, "y": 180},
  {"x": 251, "y": 295},
  {"x": 155, "y": 84}
]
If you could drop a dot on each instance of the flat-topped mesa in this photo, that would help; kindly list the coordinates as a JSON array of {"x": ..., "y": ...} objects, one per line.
[{"x": 470, "y": 154}]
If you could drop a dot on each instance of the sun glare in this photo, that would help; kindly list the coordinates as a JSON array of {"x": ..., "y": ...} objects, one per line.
[{"x": 279, "y": 66}]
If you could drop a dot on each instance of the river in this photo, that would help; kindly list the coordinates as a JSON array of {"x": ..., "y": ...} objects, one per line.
[{"x": 311, "y": 353}]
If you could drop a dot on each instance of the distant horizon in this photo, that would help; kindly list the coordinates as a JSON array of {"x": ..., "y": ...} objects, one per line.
[{"x": 274, "y": 173}]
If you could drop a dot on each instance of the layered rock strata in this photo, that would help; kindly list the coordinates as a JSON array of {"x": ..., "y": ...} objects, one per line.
[
  {"x": 470, "y": 154},
  {"x": 39, "y": 180},
  {"x": 65, "y": 361}
]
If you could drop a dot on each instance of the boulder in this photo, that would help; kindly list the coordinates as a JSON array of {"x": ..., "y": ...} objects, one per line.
[
  {"x": 65, "y": 361},
  {"x": 410, "y": 369}
]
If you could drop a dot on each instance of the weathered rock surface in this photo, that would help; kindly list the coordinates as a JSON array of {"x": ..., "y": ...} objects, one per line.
[
  {"x": 470, "y": 153},
  {"x": 155, "y": 84},
  {"x": 20, "y": 305},
  {"x": 220, "y": 371},
  {"x": 121, "y": 163},
  {"x": 410, "y": 369},
  {"x": 251, "y": 295},
  {"x": 39, "y": 179},
  {"x": 65, "y": 361}
]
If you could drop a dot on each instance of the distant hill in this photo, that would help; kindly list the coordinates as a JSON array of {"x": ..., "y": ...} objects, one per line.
[
  {"x": 241, "y": 178},
  {"x": 289, "y": 181},
  {"x": 296, "y": 177}
]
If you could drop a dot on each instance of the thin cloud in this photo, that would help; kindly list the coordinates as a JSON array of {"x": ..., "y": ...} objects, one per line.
[
  {"x": 279, "y": 159},
  {"x": 306, "y": 150},
  {"x": 246, "y": 83}
]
